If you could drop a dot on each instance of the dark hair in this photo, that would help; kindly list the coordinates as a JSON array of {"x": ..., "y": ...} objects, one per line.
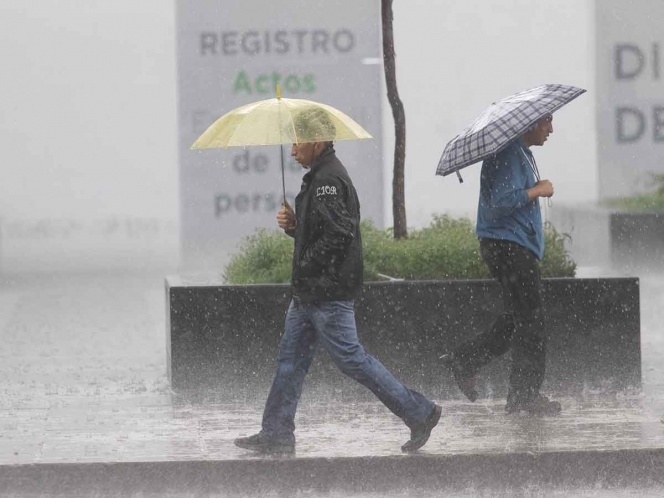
[
  {"x": 313, "y": 124},
  {"x": 548, "y": 117}
]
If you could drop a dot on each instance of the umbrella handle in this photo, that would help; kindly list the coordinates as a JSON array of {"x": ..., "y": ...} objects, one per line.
[
  {"x": 283, "y": 175},
  {"x": 288, "y": 207},
  {"x": 459, "y": 176}
]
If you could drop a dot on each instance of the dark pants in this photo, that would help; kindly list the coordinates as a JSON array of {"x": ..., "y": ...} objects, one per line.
[{"x": 520, "y": 327}]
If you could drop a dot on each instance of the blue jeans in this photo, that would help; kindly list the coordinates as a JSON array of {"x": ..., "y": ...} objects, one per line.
[{"x": 331, "y": 323}]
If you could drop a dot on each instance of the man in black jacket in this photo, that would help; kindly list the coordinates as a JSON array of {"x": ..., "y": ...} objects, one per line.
[{"x": 326, "y": 278}]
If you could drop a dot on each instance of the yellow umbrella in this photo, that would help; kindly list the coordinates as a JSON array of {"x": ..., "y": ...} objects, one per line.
[{"x": 280, "y": 121}]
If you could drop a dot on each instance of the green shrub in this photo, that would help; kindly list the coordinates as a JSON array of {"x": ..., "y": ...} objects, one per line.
[
  {"x": 646, "y": 202},
  {"x": 264, "y": 258},
  {"x": 446, "y": 249},
  {"x": 652, "y": 201},
  {"x": 556, "y": 261}
]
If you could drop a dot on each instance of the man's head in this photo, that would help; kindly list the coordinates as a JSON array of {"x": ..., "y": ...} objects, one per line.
[
  {"x": 305, "y": 153},
  {"x": 314, "y": 130},
  {"x": 539, "y": 132},
  {"x": 313, "y": 124}
]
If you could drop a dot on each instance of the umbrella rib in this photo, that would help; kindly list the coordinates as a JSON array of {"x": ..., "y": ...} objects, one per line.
[
  {"x": 247, "y": 108},
  {"x": 292, "y": 123},
  {"x": 239, "y": 126},
  {"x": 245, "y": 122}
]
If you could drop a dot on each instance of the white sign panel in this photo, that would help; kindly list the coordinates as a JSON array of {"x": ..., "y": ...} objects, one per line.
[
  {"x": 232, "y": 53},
  {"x": 630, "y": 95}
]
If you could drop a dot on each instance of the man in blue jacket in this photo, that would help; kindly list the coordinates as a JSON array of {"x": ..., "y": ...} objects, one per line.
[
  {"x": 327, "y": 277},
  {"x": 509, "y": 227}
]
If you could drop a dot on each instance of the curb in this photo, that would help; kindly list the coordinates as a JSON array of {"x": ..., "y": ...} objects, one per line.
[{"x": 254, "y": 475}]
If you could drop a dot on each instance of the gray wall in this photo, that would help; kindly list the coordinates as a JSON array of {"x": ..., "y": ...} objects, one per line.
[
  {"x": 328, "y": 52},
  {"x": 226, "y": 337},
  {"x": 630, "y": 105}
]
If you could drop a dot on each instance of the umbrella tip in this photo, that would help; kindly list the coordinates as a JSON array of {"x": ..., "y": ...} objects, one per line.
[{"x": 279, "y": 91}]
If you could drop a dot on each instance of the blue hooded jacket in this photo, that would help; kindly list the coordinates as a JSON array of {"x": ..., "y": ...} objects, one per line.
[{"x": 504, "y": 211}]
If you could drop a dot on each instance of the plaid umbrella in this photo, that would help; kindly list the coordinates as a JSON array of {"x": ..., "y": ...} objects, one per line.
[{"x": 501, "y": 123}]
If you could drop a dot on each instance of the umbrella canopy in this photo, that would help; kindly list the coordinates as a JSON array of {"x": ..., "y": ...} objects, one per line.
[
  {"x": 280, "y": 121},
  {"x": 501, "y": 123}
]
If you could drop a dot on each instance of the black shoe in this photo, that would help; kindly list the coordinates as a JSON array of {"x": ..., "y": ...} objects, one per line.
[
  {"x": 263, "y": 444},
  {"x": 420, "y": 435},
  {"x": 541, "y": 406},
  {"x": 465, "y": 381}
]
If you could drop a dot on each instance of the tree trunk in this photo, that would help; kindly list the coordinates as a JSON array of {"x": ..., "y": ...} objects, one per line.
[{"x": 398, "y": 191}]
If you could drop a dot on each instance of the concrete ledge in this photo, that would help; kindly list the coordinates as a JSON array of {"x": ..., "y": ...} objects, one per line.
[
  {"x": 220, "y": 336},
  {"x": 252, "y": 476},
  {"x": 610, "y": 238}
]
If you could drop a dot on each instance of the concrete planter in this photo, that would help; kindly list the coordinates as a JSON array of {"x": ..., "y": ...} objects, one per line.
[
  {"x": 609, "y": 238},
  {"x": 225, "y": 338}
]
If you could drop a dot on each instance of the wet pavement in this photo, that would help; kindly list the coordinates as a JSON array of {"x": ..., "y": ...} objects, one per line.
[{"x": 83, "y": 383}]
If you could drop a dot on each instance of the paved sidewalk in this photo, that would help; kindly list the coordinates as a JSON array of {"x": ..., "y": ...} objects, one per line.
[
  {"x": 188, "y": 448},
  {"x": 153, "y": 428},
  {"x": 85, "y": 408}
]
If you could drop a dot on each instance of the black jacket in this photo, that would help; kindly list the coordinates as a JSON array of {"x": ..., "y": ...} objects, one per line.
[{"x": 327, "y": 260}]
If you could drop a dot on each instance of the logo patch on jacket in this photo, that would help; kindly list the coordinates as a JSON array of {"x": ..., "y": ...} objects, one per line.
[{"x": 326, "y": 190}]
